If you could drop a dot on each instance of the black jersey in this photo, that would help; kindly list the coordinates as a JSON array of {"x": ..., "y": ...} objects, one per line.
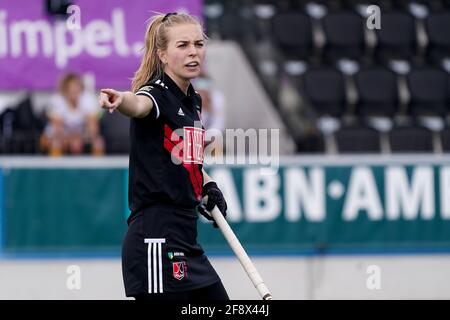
[{"x": 166, "y": 156}]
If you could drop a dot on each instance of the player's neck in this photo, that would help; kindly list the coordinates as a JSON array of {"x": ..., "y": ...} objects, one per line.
[{"x": 183, "y": 84}]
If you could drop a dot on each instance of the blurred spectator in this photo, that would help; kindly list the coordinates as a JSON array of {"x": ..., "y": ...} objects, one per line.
[
  {"x": 213, "y": 116},
  {"x": 73, "y": 126}
]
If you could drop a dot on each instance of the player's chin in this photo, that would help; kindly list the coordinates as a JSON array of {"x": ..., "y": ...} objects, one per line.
[{"x": 192, "y": 72}]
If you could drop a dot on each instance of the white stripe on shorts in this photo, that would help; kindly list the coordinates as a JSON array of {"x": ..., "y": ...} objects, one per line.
[{"x": 154, "y": 264}]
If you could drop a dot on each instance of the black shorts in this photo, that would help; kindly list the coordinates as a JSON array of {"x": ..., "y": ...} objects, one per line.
[{"x": 160, "y": 253}]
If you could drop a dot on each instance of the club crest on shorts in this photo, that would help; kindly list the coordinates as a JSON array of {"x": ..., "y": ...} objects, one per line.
[{"x": 179, "y": 270}]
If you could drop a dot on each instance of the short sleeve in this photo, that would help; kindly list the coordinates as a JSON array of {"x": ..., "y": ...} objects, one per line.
[{"x": 155, "y": 95}]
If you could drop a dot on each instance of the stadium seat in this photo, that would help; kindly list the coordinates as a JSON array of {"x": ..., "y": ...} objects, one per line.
[
  {"x": 20, "y": 129},
  {"x": 344, "y": 34},
  {"x": 212, "y": 11},
  {"x": 358, "y": 139},
  {"x": 437, "y": 26},
  {"x": 262, "y": 13},
  {"x": 324, "y": 89},
  {"x": 431, "y": 5},
  {"x": 115, "y": 129},
  {"x": 383, "y": 4},
  {"x": 292, "y": 33},
  {"x": 411, "y": 139},
  {"x": 429, "y": 91},
  {"x": 377, "y": 89},
  {"x": 313, "y": 142},
  {"x": 397, "y": 37},
  {"x": 235, "y": 26}
]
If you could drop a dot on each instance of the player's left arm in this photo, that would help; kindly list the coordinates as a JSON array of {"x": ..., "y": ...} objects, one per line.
[{"x": 206, "y": 177}]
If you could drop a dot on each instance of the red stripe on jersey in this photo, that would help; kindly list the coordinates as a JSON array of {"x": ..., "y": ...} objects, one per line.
[
  {"x": 173, "y": 149},
  {"x": 198, "y": 188},
  {"x": 195, "y": 177},
  {"x": 169, "y": 133}
]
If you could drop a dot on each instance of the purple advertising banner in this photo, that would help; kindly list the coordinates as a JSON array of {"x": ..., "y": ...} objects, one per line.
[{"x": 99, "y": 39}]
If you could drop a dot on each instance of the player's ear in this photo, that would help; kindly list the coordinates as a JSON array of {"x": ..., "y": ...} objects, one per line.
[{"x": 162, "y": 56}]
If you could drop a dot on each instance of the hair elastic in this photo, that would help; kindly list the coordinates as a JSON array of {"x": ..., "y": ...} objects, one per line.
[{"x": 168, "y": 15}]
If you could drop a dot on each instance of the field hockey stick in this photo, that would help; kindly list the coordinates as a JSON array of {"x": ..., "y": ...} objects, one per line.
[{"x": 245, "y": 261}]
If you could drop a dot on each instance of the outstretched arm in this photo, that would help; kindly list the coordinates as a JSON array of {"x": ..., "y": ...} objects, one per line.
[{"x": 125, "y": 102}]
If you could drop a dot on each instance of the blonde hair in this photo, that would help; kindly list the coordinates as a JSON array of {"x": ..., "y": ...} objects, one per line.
[{"x": 156, "y": 38}]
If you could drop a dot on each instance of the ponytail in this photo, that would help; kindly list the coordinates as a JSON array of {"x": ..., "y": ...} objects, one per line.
[{"x": 151, "y": 65}]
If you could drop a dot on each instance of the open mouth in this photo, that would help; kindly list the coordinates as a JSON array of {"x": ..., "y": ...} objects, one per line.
[{"x": 192, "y": 64}]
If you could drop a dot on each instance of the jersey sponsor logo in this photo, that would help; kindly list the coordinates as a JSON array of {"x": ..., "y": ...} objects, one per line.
[
  {"x": 194, "y": 139},
  {"x": 171, "y": 255},
  {"x": 179, "y": 270}
]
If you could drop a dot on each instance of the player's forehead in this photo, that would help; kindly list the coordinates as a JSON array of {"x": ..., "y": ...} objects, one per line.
[{"x": 188, "y": 32}]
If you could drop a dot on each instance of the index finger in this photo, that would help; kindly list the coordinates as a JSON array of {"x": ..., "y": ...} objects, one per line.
[{"x": 108, "y": 91}]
